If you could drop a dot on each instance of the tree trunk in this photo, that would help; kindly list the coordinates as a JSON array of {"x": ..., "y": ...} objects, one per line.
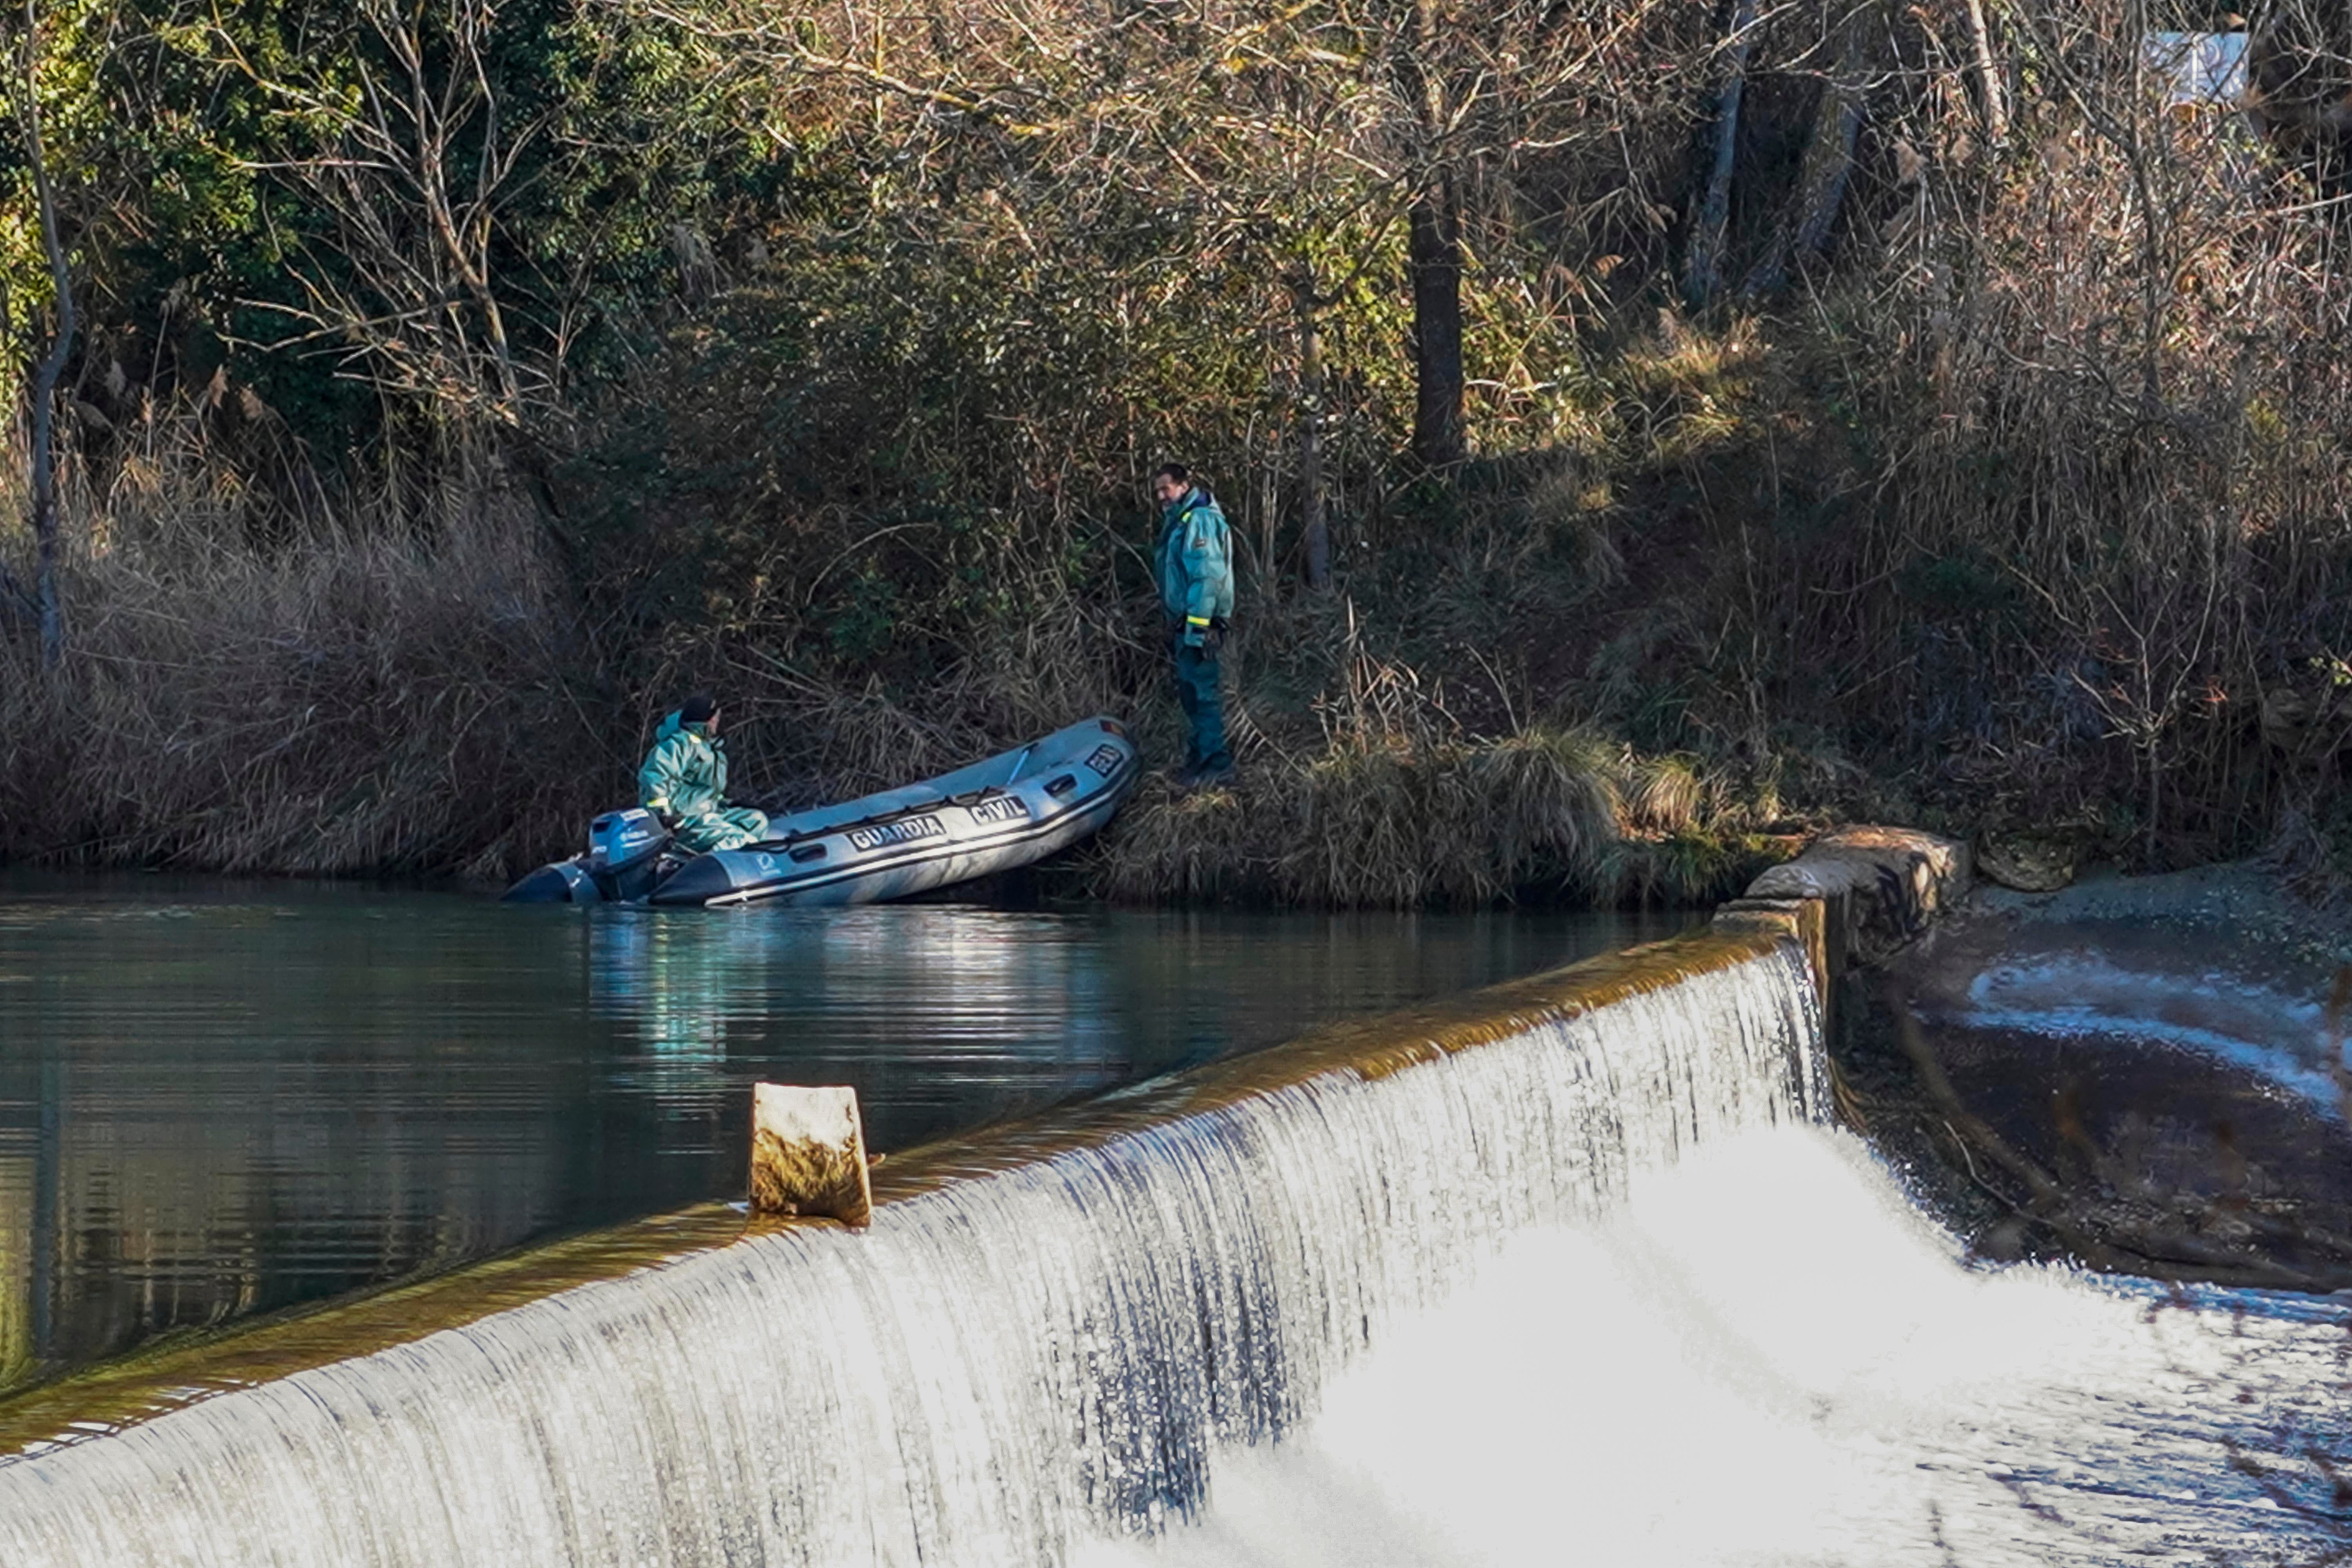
[
  {"x": 1434, "y": 253},
  {"x": 1317, "y": 529},
  {"x": 46, "y": 374},
  {"x": 1828, "y": 165},
  {"x": 1703, "y": 258},
  {"x": 1990, "y": 97},
  {"x": 1434, "y": 244}
]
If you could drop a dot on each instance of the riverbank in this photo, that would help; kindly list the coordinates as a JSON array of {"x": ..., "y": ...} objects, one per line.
[
  {"x": 1701, "y": 539},
  {"x": 1522, "y": 699},
  {"x": 360, "y": 700}
]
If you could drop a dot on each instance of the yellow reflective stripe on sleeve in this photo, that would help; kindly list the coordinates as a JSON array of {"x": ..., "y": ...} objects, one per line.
[{"x": 1196, "y": 620}]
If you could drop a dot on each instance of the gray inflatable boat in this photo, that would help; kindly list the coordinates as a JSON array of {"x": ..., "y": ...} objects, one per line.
[{"x": 994, "y": 815}]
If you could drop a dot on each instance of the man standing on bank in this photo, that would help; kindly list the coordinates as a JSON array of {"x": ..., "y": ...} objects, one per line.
[{"x": 1196, "y": 589}]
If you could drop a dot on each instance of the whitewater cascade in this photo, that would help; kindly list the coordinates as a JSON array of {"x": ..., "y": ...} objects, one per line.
[
  {"x": 1767, "y": 1356},
  {"x": 1004, "y": 1367}
]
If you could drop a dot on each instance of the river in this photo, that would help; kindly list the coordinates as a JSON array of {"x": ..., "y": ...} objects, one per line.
[{"x": 218, "y": 1098}]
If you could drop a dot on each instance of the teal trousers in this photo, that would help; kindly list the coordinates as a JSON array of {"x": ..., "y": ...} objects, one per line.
[
  {"x": 729, "y": 827},
  {"x": 1204, "y": 702}
]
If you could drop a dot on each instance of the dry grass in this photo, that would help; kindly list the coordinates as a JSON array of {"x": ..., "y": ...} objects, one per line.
[
  {"x": 245, "y": 691},
  {"x": 1521, "y": 819},
  {"x": 1408, "y": 812},
  {"x": 413, "y": 688}
]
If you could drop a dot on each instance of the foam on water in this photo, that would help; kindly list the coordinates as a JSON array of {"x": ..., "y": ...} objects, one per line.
[
  {"x": 996, "y": 1371},
  {"x": 2248, "y": 1023},
  {"x": 1767, "y": 1357}
]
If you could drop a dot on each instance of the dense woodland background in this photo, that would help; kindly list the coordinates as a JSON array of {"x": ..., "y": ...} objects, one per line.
[{"x": 1651, "y": 428}]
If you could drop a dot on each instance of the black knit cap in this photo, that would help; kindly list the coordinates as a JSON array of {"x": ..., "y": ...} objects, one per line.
[{"x": 698, "y": 709}]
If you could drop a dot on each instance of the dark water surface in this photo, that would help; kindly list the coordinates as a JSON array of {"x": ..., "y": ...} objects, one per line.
[{"x": 218, "y": 1098}]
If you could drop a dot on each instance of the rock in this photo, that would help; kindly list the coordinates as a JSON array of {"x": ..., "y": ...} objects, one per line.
[
  {"x": 1884, "y": 887},
  {"x": 2027, "y": 862}
]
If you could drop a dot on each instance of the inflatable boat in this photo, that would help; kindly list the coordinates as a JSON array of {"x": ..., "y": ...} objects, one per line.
[{"x": 1005, "y": 812}]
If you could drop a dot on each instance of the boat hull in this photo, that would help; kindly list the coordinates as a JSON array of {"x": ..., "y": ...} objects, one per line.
[{"x": 997, "y": 815}]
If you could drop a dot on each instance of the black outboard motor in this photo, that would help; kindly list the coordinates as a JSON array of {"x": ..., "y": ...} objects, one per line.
[{"x": 622, "y": 863}]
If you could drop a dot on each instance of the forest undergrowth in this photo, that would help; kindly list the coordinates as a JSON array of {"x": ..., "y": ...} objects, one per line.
[{"x": 2006, "y": 498}]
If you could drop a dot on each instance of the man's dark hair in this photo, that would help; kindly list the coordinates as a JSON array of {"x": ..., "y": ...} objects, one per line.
[
  {"x": 1177, "y": 471},
  {"x": 698, "y": 709}
]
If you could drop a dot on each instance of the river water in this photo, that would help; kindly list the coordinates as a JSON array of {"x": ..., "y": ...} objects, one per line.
[
  {"x": 1607, "y": 1289},
  {"x": 218, "y": 1098}
]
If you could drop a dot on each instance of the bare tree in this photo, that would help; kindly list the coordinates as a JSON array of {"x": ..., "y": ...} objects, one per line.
[
  {"x": 1991, "y": 101},
  {"x": 418, "y": 168},
  {"x": 1857, "y": 43},
  {"x": 1299, "y": 137},
  {"x": 1433, "y": 245},
  {"x": 1314, "y": 524}
]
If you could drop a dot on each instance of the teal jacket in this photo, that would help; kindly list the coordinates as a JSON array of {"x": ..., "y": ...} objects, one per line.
[
  {"x": 1196, "y": 562},
  {"x": 685, "y": 775}
]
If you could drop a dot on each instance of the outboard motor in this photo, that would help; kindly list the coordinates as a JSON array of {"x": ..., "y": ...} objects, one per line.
[
  {"x": 624, "y": 849},
  {"x": 622, "y": 863}
]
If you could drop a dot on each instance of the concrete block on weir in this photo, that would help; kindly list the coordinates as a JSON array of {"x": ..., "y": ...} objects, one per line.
[
  {"x": 808, "y": 1154},
  {"x": 1853, "y": 898},
  {"x": 1881, "y": 888}
]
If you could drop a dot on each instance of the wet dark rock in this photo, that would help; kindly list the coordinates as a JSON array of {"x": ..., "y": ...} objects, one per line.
[{"x": 2138, "y": 1075}]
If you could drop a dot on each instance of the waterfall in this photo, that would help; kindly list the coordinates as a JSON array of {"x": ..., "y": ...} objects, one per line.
[
  {"x": 1004, "y": 1367},
  {"x": 1766, "y": 1357}
]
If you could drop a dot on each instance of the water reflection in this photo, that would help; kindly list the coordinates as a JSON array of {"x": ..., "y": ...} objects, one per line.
[
  {"x": 666, "y": 989},
  {"x": 220, "y": 1100}
]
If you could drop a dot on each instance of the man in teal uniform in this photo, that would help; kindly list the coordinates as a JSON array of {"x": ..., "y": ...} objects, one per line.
[
  {"x": 1196, "y": 589},
  {"x": 684, "y": 783}
]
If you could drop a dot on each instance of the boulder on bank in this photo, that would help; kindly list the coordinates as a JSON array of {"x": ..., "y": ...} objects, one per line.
[{"x": 2027, "y": 862}]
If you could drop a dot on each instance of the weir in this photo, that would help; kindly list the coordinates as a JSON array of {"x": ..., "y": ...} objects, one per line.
[{"x": 1042, "y": 1336}]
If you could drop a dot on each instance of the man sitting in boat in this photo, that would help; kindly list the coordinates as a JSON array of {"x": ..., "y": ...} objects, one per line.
[{"x": 684, "y": 783}]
